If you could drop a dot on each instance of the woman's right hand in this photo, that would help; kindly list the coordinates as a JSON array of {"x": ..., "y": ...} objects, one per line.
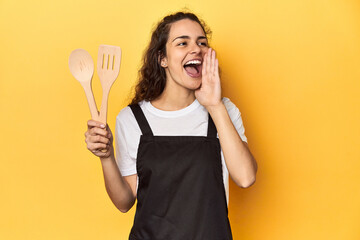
[{"x": 99, "y": 139}]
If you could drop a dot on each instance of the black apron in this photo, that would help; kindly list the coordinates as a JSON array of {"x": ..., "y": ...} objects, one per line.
[{"x": 181, "y": 194}]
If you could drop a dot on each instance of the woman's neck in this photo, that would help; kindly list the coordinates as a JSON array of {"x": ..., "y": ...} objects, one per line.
[{"x": 173, "y": 99}]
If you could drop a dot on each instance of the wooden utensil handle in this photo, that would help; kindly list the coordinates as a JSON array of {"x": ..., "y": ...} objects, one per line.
[
  {"x": 103, "y": 108},
  {"x": 104, "y": 104},
  {"x": 91, "y": 101},
  {"x": 92, "y": 104}
]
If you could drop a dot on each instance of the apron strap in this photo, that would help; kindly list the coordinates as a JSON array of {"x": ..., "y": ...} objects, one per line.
[
  {"x": 141, "y": 119},
  {"x": 212, "y": 132}
]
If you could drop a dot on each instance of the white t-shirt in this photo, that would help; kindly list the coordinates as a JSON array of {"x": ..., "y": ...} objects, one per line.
[{"x": 189, "y": 121}]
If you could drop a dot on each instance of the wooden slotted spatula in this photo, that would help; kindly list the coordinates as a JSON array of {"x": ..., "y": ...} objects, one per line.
[{"x": 108, "y": 66}]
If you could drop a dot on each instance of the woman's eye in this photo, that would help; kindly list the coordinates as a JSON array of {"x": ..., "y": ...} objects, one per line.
[
  {"x": 182, "y": 44},
  {"x": 203, "y": 43}
]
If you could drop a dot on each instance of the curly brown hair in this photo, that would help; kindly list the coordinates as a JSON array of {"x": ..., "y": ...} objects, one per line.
[{"x": 152, "y": 77}]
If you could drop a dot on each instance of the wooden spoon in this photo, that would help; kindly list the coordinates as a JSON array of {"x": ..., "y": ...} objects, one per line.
[
  {"x": 82, "y": 68},
  {"x": 108, "y": 66}
]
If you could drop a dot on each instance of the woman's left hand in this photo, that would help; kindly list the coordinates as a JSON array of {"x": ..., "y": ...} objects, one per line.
[{"x": 209, "y": 93}]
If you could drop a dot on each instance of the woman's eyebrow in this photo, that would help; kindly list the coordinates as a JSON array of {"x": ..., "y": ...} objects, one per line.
[{"x": 187, "y": 37}]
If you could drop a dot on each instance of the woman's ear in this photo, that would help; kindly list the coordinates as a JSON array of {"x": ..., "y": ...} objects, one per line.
[
  {"x": 162, "y": 60},
  {"x": 163, "y": 63}
]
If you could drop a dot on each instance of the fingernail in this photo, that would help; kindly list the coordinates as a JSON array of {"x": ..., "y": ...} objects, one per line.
[{"x": 102, "y": 125}]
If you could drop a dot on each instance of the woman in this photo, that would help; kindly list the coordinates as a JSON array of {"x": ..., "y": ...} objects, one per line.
[{"x": 169, "y": 155}]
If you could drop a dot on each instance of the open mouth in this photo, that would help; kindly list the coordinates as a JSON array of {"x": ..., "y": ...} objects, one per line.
[{"x": 193, "y": 68}]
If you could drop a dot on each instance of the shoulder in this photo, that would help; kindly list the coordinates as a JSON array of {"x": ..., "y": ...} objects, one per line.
[
  {"x": 126, "y": 119},
  {"x": 235, "y": 117},
  {"x": 127, "y": 114},
  {"x": 231, "y": 107},
  {"x": 124, "y": 115},
  {"x": 227, "y": 102}
]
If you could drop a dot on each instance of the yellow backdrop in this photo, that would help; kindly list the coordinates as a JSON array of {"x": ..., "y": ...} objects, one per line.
[{"x": 292, "y": 68}]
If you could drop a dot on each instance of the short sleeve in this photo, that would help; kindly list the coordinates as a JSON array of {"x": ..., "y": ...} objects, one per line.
[
  {"x": 126, "y": 143},
  {"x": 235, "y": 117}
]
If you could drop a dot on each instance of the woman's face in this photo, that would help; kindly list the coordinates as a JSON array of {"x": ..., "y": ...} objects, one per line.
[{"x": 185, "y": 50}]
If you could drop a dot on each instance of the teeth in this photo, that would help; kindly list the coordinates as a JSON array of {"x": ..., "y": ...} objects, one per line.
[{"x": 197, "y": 62}]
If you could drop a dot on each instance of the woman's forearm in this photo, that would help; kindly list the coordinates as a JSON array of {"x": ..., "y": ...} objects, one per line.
[
  {"x": 117, "y": 188},
  {"x": 239, "y": 160}
]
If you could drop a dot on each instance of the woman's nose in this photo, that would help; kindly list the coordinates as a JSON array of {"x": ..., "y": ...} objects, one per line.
[{"x": 195, "y": 48}]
